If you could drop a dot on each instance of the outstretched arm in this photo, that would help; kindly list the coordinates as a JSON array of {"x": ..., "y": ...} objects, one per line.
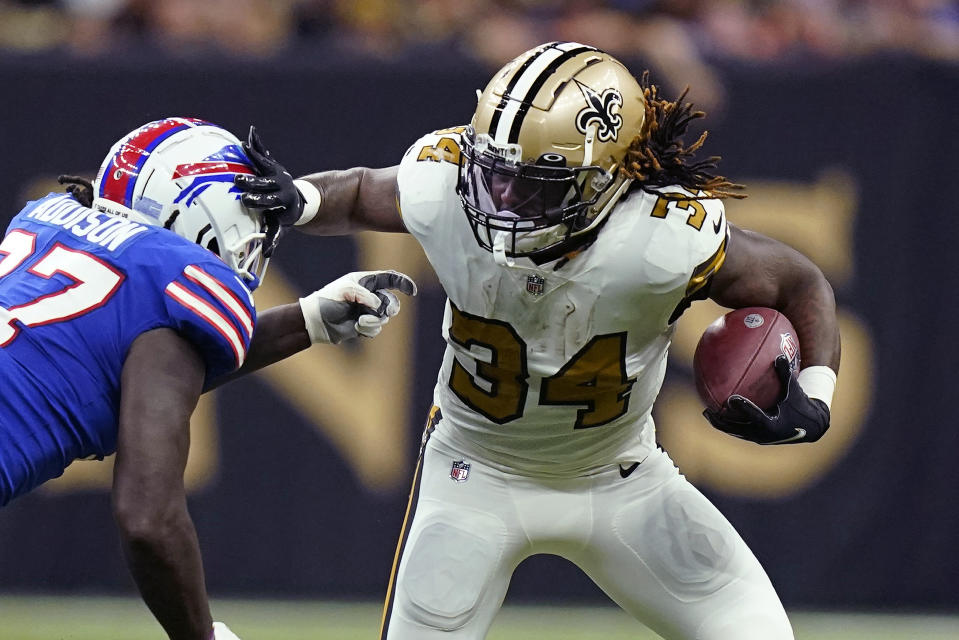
[
  {"x": 327, "y": 203},
  {"x": 356, "y": 304},
  {"x": 163, "y": 376},
  {"x": 280, "y": 332},
  {"x": 161, "y": 383},
  {"x": 354, "y": 200}
]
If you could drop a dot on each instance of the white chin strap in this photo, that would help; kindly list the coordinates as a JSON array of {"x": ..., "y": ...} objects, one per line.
[
  {"x": 588, "y": 143},
  {"x": 499, "y": 249},
  {"x": 250, "y": 269}
]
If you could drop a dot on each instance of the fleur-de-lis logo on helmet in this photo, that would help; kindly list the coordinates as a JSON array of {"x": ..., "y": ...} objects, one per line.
[{"x": 600, "y": 109}]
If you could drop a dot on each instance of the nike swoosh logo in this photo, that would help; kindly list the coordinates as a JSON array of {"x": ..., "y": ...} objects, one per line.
[
  {"x": 800, "y": 434},
  {"x": 625, "y": 472},
  {"x": 718, "y": 224}
]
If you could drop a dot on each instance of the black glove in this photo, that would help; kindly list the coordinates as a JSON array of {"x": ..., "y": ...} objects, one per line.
[
  {"x": 80, "y": 188},
  {"x": 271, "y": 191},
  {"x": 796, "y": 418}
]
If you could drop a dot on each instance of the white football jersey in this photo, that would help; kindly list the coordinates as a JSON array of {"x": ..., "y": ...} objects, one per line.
[{"x": 552, "y": 370}]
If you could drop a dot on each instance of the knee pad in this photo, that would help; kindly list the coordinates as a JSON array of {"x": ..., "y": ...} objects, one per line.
[{"x": 448, "y": 569}]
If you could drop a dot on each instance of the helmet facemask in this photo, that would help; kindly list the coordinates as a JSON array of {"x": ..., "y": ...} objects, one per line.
[
  {"x": 519, "y": 208},
  {"x": 540, "y": 163},
  {"x": 238, "y": 241}
]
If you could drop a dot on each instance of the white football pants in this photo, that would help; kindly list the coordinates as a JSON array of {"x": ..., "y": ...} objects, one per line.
[{"x": 650, "y": 540}]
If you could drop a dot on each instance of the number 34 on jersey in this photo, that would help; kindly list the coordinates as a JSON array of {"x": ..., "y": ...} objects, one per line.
[{"x": 594, "y": 379}]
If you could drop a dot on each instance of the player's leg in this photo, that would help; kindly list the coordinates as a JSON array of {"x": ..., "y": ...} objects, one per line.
[
  {"x": 666, "y": 555},
  {"x": 457, "y": 553}
]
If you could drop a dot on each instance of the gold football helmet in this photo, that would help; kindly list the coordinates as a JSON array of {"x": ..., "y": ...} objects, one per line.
[{"x": 540, "y": 160}]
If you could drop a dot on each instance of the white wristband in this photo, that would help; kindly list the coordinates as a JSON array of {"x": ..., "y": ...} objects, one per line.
[
  {"x": 818, "y": 382},
  {"x": 311, "y": 200},
  {"x": 313, "y": 319}
]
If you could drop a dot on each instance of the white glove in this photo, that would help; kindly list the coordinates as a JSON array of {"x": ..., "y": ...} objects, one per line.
[
  {"x": 222, "y": 632},
  {"x": 357, "y": 304}
]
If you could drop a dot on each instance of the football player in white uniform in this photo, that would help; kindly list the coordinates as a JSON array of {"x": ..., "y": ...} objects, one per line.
[{"x": 570, "y": 228}]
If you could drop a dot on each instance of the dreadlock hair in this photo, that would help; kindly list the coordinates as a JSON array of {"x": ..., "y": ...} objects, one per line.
[
  {"x": 658, "y": 157},
  {"x": 80, "y": 188}
]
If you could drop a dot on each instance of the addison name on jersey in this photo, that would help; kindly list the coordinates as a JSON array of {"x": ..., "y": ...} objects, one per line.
[{"x": 77, "y": 287}]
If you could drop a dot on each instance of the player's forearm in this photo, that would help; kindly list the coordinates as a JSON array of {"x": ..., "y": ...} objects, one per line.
[
  {"x": 164, "y": 559},
  {"x": 280, "y": 332},
  {"x": 811, "y": 307},
  {"x": 802, "y": 294},
  {"x": 805, "y": 297},
  {"x": 353, "y": 200},
  {"x": 762, "y": 272}
]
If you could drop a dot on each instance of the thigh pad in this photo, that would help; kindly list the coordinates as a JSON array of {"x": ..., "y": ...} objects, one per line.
[
  {"x": 683, "y": 539},
  {"x": 448, "y": 569}
]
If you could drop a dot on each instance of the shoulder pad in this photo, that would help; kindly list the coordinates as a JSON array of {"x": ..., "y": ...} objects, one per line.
[
  {"x": 442, "y": 145},
  {"x": 427, "y": 175},
  {"x": 691, "y": 239}
]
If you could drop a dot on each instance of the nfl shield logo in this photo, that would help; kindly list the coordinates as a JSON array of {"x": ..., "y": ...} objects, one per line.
[
  {"x": 460, "y": 471},
  {"x": 790, "y": 348},
  {"x": 535, "y": 284}
]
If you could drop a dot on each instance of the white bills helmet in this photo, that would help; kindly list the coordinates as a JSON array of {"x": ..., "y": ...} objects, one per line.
[{"x": 177, "y": 173}]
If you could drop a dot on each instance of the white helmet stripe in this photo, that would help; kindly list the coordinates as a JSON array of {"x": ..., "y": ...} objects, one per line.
[
  {"x": 524, "y": 87},
  {"x": 517, "y": 74}
]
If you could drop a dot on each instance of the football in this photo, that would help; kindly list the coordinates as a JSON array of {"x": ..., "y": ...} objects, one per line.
[{"x": 735, "y": 355}]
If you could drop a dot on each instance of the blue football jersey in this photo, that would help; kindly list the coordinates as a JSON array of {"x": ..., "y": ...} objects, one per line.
[{"x": 76, "y": 288}]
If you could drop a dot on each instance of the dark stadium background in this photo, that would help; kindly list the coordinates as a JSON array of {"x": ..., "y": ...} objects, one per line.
[{"x": 283, "y": 511}]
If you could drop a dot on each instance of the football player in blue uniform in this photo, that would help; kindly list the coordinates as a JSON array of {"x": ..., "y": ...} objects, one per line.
[{"x": 120, "y": 303}]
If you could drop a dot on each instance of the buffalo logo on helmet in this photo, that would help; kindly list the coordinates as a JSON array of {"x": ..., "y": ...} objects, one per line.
[
  {"x": 460, "y": 472},
  {"x": 217, "y": 167},
  {"x": 599, "y": 110}
]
